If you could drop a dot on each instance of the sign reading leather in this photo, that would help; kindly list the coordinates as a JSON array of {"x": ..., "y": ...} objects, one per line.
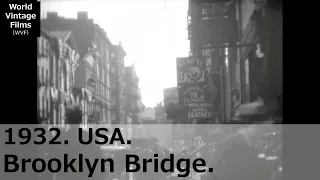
[{"x": 194, "y": 101}]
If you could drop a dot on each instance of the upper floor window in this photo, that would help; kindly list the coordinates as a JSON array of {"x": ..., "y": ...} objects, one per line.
[
  {"x": 101, "y": 50},
  {"x": 45, "y": 47},
  {"x": 40, "y": 45},
  {"x": 113, "y": 102},
  {"x": 107, "y": 54},
  {"x": 113, "y": 85},
  {"x": 47, "y": 76}
]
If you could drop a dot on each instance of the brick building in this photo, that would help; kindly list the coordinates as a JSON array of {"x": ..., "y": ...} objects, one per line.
[
  {"x": 117, "y": 70},
  {"x": 133, "y": 104},
  {"x": 43, "y": 75},
  {"x": 57, "y": 61},
  {"x": 62, "y": 74},
  {"x": 92, "y": 78}
]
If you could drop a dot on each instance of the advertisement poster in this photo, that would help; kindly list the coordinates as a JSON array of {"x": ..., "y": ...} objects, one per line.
[
  {"x": 190, "y": 70},
  {"x": 194, "y": 101}
]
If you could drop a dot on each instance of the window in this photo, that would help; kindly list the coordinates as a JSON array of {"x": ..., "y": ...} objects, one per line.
[
  {"x": 204, "y": 10},
  {"x": 113, "y": 102},
  {"x": 108, "y": 80},
  {"x": 39, "y": 46},
  {"x": 42, "y": 105},
  {"x": 101, "y": 86},
  {"x": 47, "y": 76},
  {"x": 107, "y": 55},
  {"x": 102, "y": 50},
  {"x": 113, "y": 85},
  {"x": 102, "y": 91},
  {"x": 54, "y": 72},
  {"x": 48, "y": 103},
  {"x": 38, "y": 72},
  {"x": 237, "y": 75},
  {"x": 102, "y": 75},
  {"x": 247, "y": 80},
  {"x": 42, "y": 75},
  {"x": 59, "y": 76},
  {"x": 113, "y": 116},
  {"x": 44, "y": 47},
  {"x": 61, "y": 79}
]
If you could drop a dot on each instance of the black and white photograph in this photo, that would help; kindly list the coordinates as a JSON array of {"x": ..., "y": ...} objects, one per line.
[{"x": 156, "y": 90}]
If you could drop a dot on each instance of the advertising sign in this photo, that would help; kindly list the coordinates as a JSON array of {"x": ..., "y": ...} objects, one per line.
[
  {"x": 193, "y": 99},
  {"x": 190, "y": 70}
]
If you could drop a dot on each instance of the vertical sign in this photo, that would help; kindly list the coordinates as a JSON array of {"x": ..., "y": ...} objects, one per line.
[
  {"x": 190, "y": 70},
  {"x": 191, "y": 79},
  {"x": 193, "y": 99}
]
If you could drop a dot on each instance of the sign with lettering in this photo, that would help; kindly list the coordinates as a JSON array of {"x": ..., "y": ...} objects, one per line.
[
  {"x": 190, "y": 70},
  {"x": 193, "y": 99}
]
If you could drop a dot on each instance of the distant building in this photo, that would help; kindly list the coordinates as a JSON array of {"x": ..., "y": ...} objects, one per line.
[
  {"x": 133, "y": 104},
  {"x": 160, "y": 114},
  {"x": 117, "y": 71},
  {"x": 170, "y": 95},
  {"x": 148, "y": 114},
  {"x": 45, "y": 55}
]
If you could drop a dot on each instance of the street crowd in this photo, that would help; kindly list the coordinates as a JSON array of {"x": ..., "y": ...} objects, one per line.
[{"x": 234, "y": 157}]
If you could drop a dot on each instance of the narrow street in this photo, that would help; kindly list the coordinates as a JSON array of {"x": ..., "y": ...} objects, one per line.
[{"x": 192, "y": 78}]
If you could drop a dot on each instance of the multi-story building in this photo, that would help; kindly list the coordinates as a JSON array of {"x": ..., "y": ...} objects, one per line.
[
  {"x": 212, "y": 29},
  {"x": 43, "y": 76},
  {"x": 260, "y": 24},
  {"x": 92, "y": 78},
  {"x": 132, "y": 96},
  {"x": 63, "y": 65},
  {"x": 117, "y": 69},
  {"x": 170, "y": 96},
  {"x": 57, "y": 61},
  {"x": 236, "y": 39}
]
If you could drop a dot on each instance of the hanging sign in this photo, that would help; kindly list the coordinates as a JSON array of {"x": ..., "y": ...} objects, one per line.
[
  {"x": 190, "y": 70},
  {"x": 195, "y": 102}
]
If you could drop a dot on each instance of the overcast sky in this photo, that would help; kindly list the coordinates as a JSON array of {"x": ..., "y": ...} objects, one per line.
[{"x": 153, "y": 33}]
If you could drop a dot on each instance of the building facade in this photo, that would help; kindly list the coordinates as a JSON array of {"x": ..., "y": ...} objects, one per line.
[
  {"x": 62, "y": 72},
  {"x": 117, "y": 69},
  {"x": 45, "y": 55},
  {"x": 92, "y": 78},
  {"x": 261, "y": 64},
  {"x": 133, "y": 104},
  {"x": 170, "y": 96},
  {"x": 212, "y": 31},
  {"x": 240, "y": 41},
  {"x": 57, "y": 62}
]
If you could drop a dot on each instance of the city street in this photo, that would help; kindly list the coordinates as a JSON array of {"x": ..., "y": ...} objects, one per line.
[{"x": 196, "y": 79}]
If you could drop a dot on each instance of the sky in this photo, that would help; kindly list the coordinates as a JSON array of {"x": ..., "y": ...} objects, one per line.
[{"x": 152, "y": 32}]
